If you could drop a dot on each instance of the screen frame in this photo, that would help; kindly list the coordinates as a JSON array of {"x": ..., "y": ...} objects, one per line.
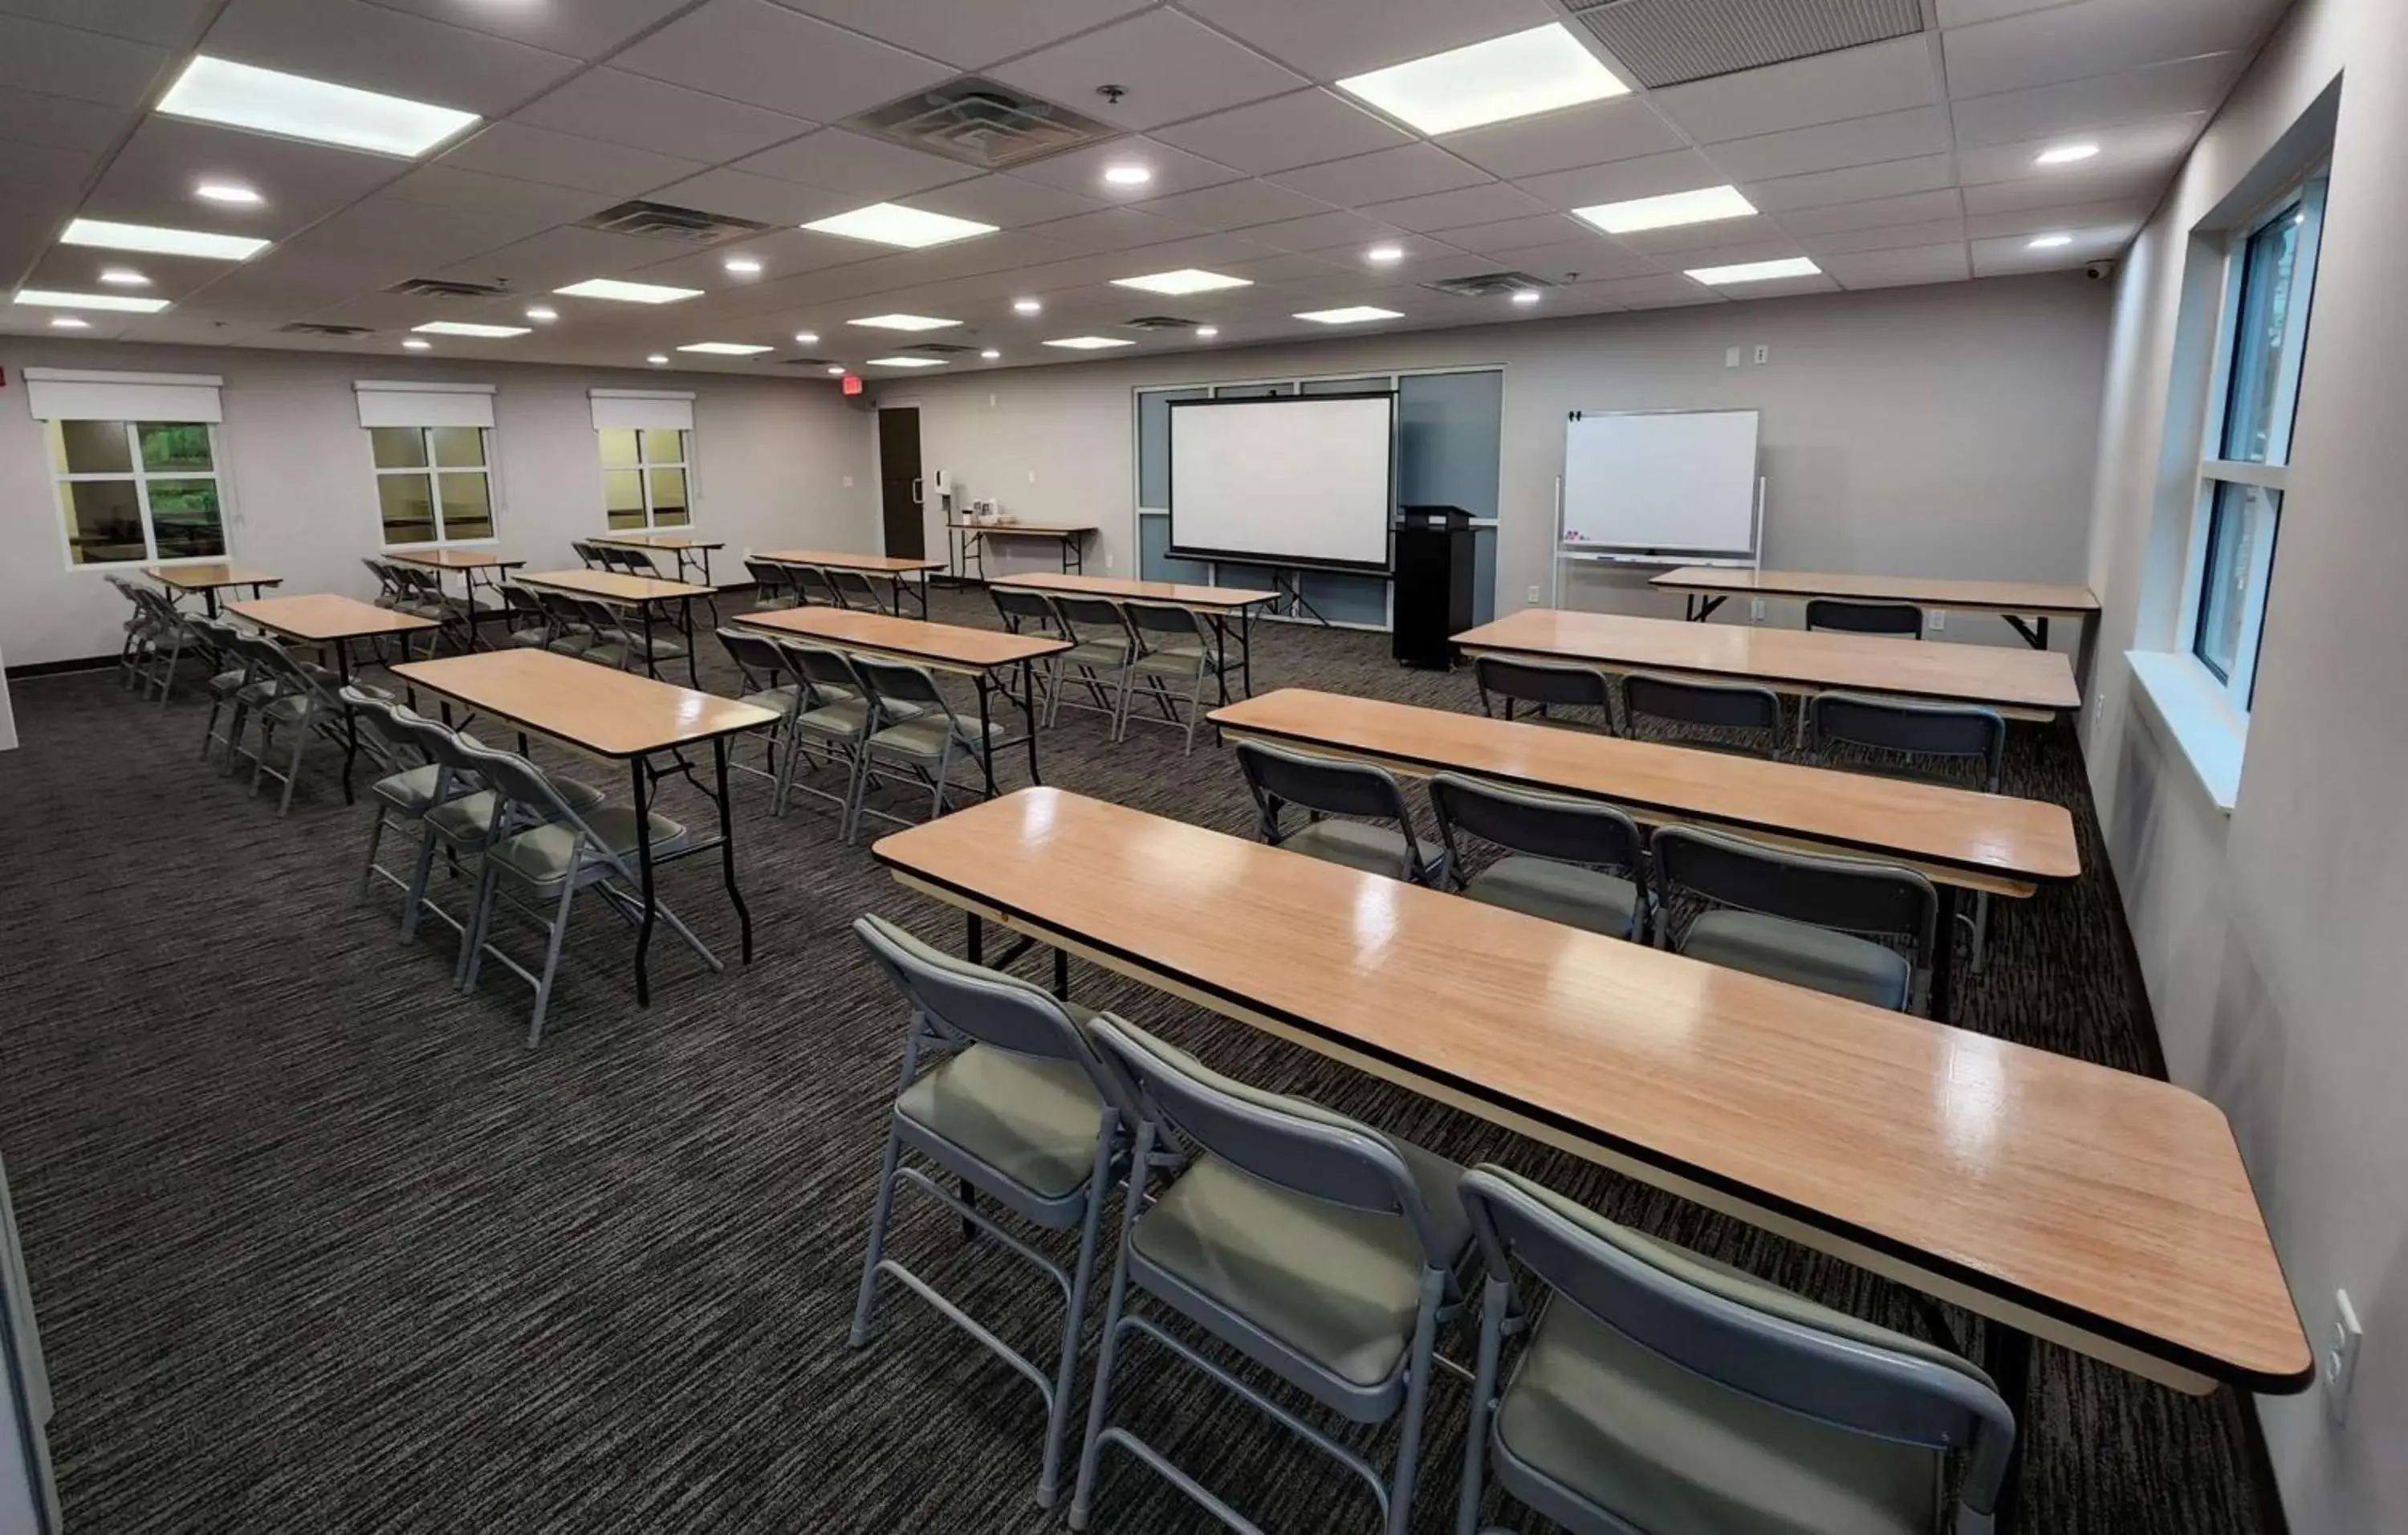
[{"x": 1385, "y": 566}]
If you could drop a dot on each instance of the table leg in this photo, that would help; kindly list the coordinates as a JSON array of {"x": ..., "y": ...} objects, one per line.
[
  {"x": 209, "y": 601},
  {"x": 986, "y": 746},
  {"x": 1028, "y": 709},
  {"x": 728, "y": 845},
  {"x": 1246, "y": 639},
  {"x": 1221, "y": 653},
  {"x": 351, "y": 721},
  {"x": 685, "y": 622},
  {"x": 977, "y": 937},
  {"x": 1944, "y": 956},
  {"x": 1062, "y": 974},
  {"x": 2083, "y": 650},
  {"x": 641, "y": 784},
  {"x": 2007, "y": 1358}
]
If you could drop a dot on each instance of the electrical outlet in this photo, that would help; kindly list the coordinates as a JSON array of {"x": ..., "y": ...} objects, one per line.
[
  {"x": 1763, "y": 355},
  {"x": 1939, "y": 621},
  {"x": 1756, "y": 609},
  {"x": 848, "y": 482},
  {"x": 1032, "y": 477},
  {"x": 1532, "y": 600},
  {"x": 1730, "y": 358},
  {"x": 2340, "y": 1363}
]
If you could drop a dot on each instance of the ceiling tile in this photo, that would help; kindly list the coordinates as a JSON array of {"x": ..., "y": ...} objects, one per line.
[
  {"x": 2133, "y": 145},
  {"x": 1285, "y": 131},
  {"x": 1113, "y": 229},
  {"x": 1005, "y": 201},
  {"x": 1901, "y": 267},
  {"x": 36, "y": 169},
  {"x": 1409, "y": 170},
  {"x": 769, "y": 56},
  {"x": 451, "y": 186},
  {"x": 1173, "y": 67},
  {"x": 1648, "y": 176},
  {"x": 1741, "y": 293},
  {"x": 1856, "y": 183},
  {"x": 1767, "y": 244},
  {"x": 538, "y": 154},
  {"x": 85, "y": 65},
  {"x": 151, "y": 179},
  {"x": 1619, "y": 128},
  {"x": 870, "y": 169},
  {"x": 617, "y": 108},
  {"x": 1323, "y": 231},
  {"x": 2013, "y": 253},
  {"x": 1081, "y": 171},
  {"x": 1519, "y": 234},
  {"x": 77, "y": 269},
  {"x": 2125, "y": 215},
  {"x": 168, "y": 23},
  {"x": 2102, "y": 101},
  {"x": 1891, "y": 237},
  {"x": 587, "y": 29},
  {"x": 1878, "y": 77},
  {"x": 60, "y": 122},
  {"x": 1965, "y": 13},
  {"x": 1237, "y": 205},
  {"x": 1594, "y": 258},
  {"x": 1914, "y": 208},
  {"x": 1330, "y": 39},
  {"x": 558, "y": 257},
  {"x": 378, "y": 49},
  {"x": 2126, "y": 182},
  {"x": 2097, "y": 38},
  {"x": 1487, "y": 203},
  {"x": 748, "y": 196},
  {"x": 1830, "y": 146},
  {"x": 1663, "y": 291},
  {"x": 972, "y": 36},
  {"x": 782, "y": 252},
  {"x": 382, "y": 241},
  {"x": 1698, "y": 237}
]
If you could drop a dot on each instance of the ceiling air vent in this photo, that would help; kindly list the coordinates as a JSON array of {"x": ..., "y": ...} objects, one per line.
[
  {"x": 1157, "y": 322},
  {"x": 1666, "y": 42},
  {"x": 308, "y": 328},
  {"x": 436, "y": 287},
  {"x": 668, "y": 221},
  {"x": 937, "y": 349},
  {"x": 804, "y": 362},
  {"x": 1488, "y": 285},
  {"x": 982, "y": 122}
]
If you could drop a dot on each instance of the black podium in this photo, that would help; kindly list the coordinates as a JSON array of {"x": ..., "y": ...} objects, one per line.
[{"x": 1433, "y": 594}]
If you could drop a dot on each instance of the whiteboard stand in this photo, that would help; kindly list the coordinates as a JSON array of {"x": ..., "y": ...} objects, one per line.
[{"x": 1578, "y": 554}]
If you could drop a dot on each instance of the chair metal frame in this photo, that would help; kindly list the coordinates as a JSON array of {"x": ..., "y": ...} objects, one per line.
[
  {"x": 828, "y": 680},
  {"x": 1327, "y": 786},
  {"x": 892, "y": 682},
  {"x": 1078, "y": 617},
  {"x": 1151, "y": 662}
]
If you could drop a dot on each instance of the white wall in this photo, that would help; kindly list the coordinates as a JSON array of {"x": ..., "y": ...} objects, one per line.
[
  {"x": 2270, "y": 939},
  {"x": 772, "y": 459},
  {"x": 1944, "y": 430}
]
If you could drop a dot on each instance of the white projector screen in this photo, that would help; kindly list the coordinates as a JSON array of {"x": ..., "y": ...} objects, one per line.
[{"x": 1297, "y": 480}]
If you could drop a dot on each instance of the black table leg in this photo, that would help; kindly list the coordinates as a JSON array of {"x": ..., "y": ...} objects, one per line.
[
  {"x": 685, "y": 623},
  {"x": 728, "y": 845},
  {"x": 641, "y": 781},
  {"x": 1944, "y": 956},
  {"x": 986, "y": 746},
  {"x": 1062, "y": 974},
  {"x": 1246, "y": 640},
  {"x": 1028, "y": 709},
  {"x": 977, "y": 939},
  {"x": 351, "y": 721},
  {"x": 1221, "y": 653},
  {"x": 2007, "y": 1356}
]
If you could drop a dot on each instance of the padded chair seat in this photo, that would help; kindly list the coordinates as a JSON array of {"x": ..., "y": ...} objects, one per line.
[
  {"x": 925, "y": 737},
  {"x": 531, "y": 638},
  {"x": 660, "y": 647},
  {"x": 463, "y": 820},
  {"x": 1093, "y": 652},
  {"x": 411, "y": 790},
  {"x": 1841, "y": 964},
  {"x": 1374, "y": 850},
  {"x": 771, "y": 605},
  {"x": 225, "y": 683},
  {"x": 289, "y": 707},
  {"x": 1034, "y": 1121},
  {"x": 778, "y": 699},
  {"x": 608, "y": 652},
  {"x": 1176, "y": 659},
  {"x": 542, "y": 855},
  {"x": 1340, "y": 1286},
  {"x": 1575, "y": 895},
  {"x": 570, "y": 643}
]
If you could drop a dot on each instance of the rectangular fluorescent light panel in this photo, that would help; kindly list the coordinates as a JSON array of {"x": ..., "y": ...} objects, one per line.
[
  {"x": 464, "y": 327},
  {"x": 1703, "y": 205},
  {"x": 891, "y": 224},
  {"x": 126, "y": 302},
  {"x": 161, "y": 242},
  {"x": 1089, "y": 343},
  {"x": 907, "y": 361},
  {"x": 725, "y": 349},
  {"x": 268, "y": 101},
  {"x": 1354, "y": 314},
  {"x": 1754, "y": 271},
  {"x": 1187, "y": 279},
  {"x": 1517, "y": 74},
  {"x": 905, "y": 322},
  {"x": 627, "y": 293}
]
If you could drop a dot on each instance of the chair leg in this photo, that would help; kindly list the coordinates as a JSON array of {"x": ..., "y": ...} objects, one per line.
[
  {"x": 1091, "y": 1449},
  {"x": 420, "y": 873},
  {"x": 1409, "y": 1440},
  {"x": 1048, "y": 1479},
  {"x": 376, "y": 836},
  {"x": 1194, "y": 713},
  {"x": 558, "y": 935},
  {"x": 292, "y": 768},
  {"x": 866, "y": 1304},
  {"x": 1494, "y": 1299}
]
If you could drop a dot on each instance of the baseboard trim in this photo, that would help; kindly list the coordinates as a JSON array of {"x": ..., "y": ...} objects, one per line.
[{"x": 56, "y": 668}]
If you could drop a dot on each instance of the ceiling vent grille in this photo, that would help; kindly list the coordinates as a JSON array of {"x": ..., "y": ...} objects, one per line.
[
  {"x": 668, "y": 221},
  {"x": 1488, "y": 285},
  {"x": 1157, "y": 322},
  {"x": 436, "y": 287},
  {"x": 982, "y": 122},
  {"x": 937, "y": 349},
  {"x": 1667, "y": 42},
  {"x": 806, "y": 362},
  {"x": 308, "y": 327}
]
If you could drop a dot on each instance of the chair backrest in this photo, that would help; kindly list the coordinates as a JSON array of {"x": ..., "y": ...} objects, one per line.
[
  {"x": 1842, "y": 894},
  {"x": 388, "y": 587},
  {"x": 808, "y": 576},
  {"x": 1545, "y": 825},
  {"x": 768, "y": 579},
  {"x": 818, "y": 667},
  {"x": 635, "y": 562},
  {"x": 854, "y": 589},
  {"x": 1542, "y": 682},
  {"x": 1321, "y": 784},
  {"x": 756, "y": 659},
  {"x": 384, "y": 720},
  {"x": 519, "y": 783},
  {"x": 1288, "y": 1142},
  {"x": 1744, "y": 1336},
  {"x": 559, "y": 607},
  {"x": 1730, "y": 705},
  {"x": 590, "y": 554},
  {"x": 521, "y": 601},
  {"x": 605, "y": 618},
  {"x": 1158, "y": 621},
  {"x": 902, "y": 682},
  {"x": 1092, "y": 620},
  {"x": 1849, "y": 617},
  {"x": 1906, "y": 725},
  {"x": 1020, "y": 607}
]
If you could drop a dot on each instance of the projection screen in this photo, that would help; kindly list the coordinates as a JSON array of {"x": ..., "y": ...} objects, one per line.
[{"x": 1297, "y": 480}]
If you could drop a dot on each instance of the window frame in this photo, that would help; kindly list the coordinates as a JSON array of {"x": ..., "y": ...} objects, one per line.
[
  {"x": 141, "y": 478},
  {"x": 642, "y": 470},
  {"x": 433, "y": 473},
  {"x": 2305, "y": 201}
]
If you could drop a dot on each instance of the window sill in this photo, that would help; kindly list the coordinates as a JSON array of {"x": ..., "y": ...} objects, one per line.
[{"x": 2193, "y": 714}]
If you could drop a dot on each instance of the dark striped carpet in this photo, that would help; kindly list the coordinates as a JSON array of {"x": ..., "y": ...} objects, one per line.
[{"x": 317, "y": 1246}]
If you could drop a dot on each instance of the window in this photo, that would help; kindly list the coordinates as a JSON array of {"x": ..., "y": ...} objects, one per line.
[
  {"x": 134, "y": 492},
  {"x": 644, "y": 480},
  {"x": 435, "y": 484},
  {"x": 2269, "y": 276}
]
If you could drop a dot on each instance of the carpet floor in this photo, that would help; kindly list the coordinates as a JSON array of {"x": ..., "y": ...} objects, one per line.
[{"x": 316, "y": 1245}]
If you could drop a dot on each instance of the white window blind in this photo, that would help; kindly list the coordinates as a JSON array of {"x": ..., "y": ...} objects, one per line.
[
  {"x": 642, "y": 410},
  {"x": 414, "y": 404},
  {"x": 62, "y": 394}
]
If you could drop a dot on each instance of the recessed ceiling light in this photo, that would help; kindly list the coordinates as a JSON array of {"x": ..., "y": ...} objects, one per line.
[
  {"x": 907, "y": 361},
  {"x": 836, "y": 368},
  {"x": 155, "y": 240},
  {"x": 1352, "y": 314},
  {"x": 628, "y": 292},
  {"x": 466, "y": 327},
  {"x": 1703, "y": 205},
  {"x": 891, "y": 224},
  {"x": 990, "y": 354},
  {"x": 2049, "y": 242},
  {"x": 50, "y": 298},
  {"x": 1088, "y": 343},
  {"x": 1527, "y": 296},
  {"x": 268, "y": 101},
  {"x": 1206, "y": 333},
  {"x": 1513, "y": 75},
  {"x": 658, "y": 359},
  {"x": 415, "y": 344},
  {"x": 724, "y": 349},
  {"x": 741, "y": 266},
  {"x": 1754, "y": 271},
  {"x": 807, "y": 338},
  {"x": 1385, "y": 253},
  {"x": 905, "y": 322},
  {"x": 543, "y": 314},
  {"x": 1187, "y": 279},
  {"x": 233, "y": 192},
  {"x": 124, "y": 277},
  {"x": 69, "y": 322},
  {"x": 1027, "y": 305},
  {"x": 2064, "y": 154},
  {"x": 1128, "y": 175}
]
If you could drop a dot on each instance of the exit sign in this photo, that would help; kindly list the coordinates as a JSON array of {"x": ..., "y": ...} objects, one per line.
[{"x": 853, "y": 384}]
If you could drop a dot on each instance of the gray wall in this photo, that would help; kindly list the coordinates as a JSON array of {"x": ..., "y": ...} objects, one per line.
[
  {"x": 772, "y": 458},
  {"x": 1945, "y": 430},
  {"x": 2270, "y": 940}
]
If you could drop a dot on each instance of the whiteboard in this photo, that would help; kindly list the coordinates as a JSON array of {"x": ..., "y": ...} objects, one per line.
[
  {"x": 1299, "y": 480},
  {"x": 1661, "y": 480}
]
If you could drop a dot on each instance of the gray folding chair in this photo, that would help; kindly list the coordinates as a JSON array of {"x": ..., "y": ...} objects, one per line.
[
  {"x": 1573, "y": 861},
  {"x": 137, "y": 627},
  {"x": 1811, "y": 921},
  {"x": 569, "y": 631},
  {"x": 530, "y": 626},
  {"x": 1753, "y": 712},
  {"x": 1658, "y": 1391},
  {"x": 1914, "y": 731},
  {"x": 1101, "y": 647},
  {"x": 1173, "y": 647},
  {"x": 1312, "y": 1245},
  {"x": 1321, "y": 788},
  {"x": 420, "y": 786},
  {"x": 811, "y": 584},
  {"x": 588, "y": 555},
  {"x": 166, "y": 634},
  {"x": 1003, "y": 1090},
  {"x": 1025, "y": 611},
  {"x": 242, "y": 686},
  {"x": 629, "y": 561},
  {"x": 773, "y": 586},
  {"x": 925, "y": 740},
  {"x": 831, "y": 721},
  {"x": 1545, "y": 687},
  {"x": 1839, "y": 615},
  {"x": 856, "y": 590},
  {"x": 300, "y": 706},
  {"x": 759, "y": 665}
]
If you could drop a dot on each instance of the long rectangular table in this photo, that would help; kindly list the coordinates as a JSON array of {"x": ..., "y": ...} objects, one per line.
[
  {"x": 685, "y": 549},
  {"x": 966, "y": 542},
  {"x": 895, "y": 569},
  {"x": 467, "y": 563},
  {"x": 2021, "y": 684},
  {"x": 2105, "y": 1211},
  {"x": 208, "y": 578},
  {"x": 1215, "y": 605},
  {"x": 615, "y": 716},
  {"x": 641, "y": 592},
  {"x": 333, "y": 622},
  {"x": 1704, "y": 587}
]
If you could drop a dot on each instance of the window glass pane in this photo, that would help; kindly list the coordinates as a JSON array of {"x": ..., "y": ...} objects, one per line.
[
  {"x": 2257, "y": 333},
  {"x": 669, "y": 497},
  {"x": 1251, "y": 392},
  {"x": 397, "y": 447},
  {"x": 1380, "y": 385},
  {"x": 104, "y": 519},
  {"x": 459, "y": 446},
  {"x": 91, "y": 447},
  {"x": 184, "y": 518},
  {"x": 1449, "y": 426},
  {"x": 664, "y": 446},
  {"x": 623, "y": 497},
  {"x": 468, "y": 505},
  {"x": 1153, "y": 442},
  {"x": 618, "y": 445},
  {"x": 407, "y": 508},
  {"x": 170, "y": 446},
  {"x": 2240, "y": 529}
]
